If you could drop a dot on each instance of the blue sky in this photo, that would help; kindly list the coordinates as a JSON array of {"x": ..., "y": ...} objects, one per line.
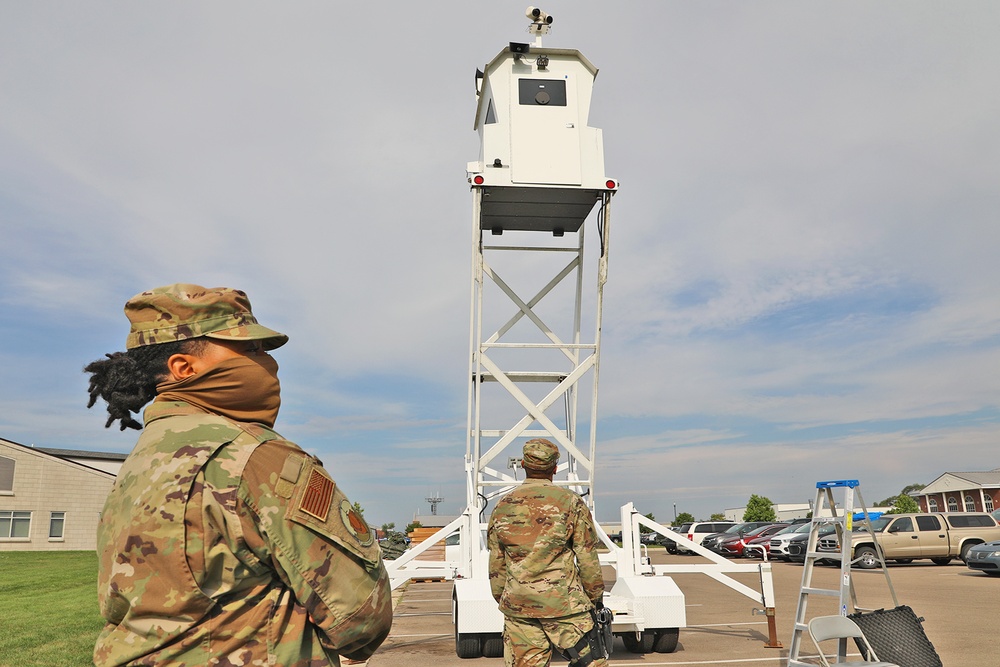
[{"x": 803, "y": 265}]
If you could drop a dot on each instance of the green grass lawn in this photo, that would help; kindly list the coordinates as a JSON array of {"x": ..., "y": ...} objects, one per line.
[{"x": 48, "y": 608}]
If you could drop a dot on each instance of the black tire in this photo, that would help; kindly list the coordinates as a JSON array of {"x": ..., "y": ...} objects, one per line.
[
  {"x": 665, "y": 641},
  {"x": 492, "y": 646},
  {"x": 943, "y": 560},
  {"x": 640, "y": 645},
  {"x": 866, "y": 557},
  {"x": 468, "y": 646},
  {"x": 992, "y": 573},
  {"x": 964, "y": 554},
  {"x": 904, "y": 561}
]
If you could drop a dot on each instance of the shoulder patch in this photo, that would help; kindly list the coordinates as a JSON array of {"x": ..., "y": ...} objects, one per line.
[
  {"x": 318, "y": 495},
  {"x": 354, "y": 524}
]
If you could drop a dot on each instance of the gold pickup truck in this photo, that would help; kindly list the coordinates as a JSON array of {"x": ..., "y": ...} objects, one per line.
[{"x": 939, "y": 536}]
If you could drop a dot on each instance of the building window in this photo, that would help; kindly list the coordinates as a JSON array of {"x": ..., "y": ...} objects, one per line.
[
  {"x": 6, "y": 475},
  {"x": 952, "y": 504},
  {"x": 988, "y": 502},
  {"x": 57, "y": 522},
  {"x": 970, "y": 504},
  {"x": 931, "y": 504},
  {"x": 15, "y": 525}
]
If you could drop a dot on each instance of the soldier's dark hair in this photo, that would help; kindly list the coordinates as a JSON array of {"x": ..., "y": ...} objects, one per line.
[{"x": 127, "y": 380}]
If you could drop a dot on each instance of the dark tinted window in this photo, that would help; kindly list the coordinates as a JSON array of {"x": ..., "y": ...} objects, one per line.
[
  {"x": 971, "y": 521},
  {"x": 902, "y": 525},
  {"x": 545, "y": 92},
  {"x": 928, "y": 523}
]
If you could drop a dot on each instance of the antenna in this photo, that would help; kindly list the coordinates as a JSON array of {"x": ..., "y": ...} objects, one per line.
[
  {"x": 434, "y": 500},
  {"x": 540, "y": 22}
]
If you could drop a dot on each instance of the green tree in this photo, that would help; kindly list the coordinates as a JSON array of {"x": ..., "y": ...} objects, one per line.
[
  {"x": 907, "y": 490},
  {"x": 759, "y": 508},
  {"x": 644, "y": 529},
  {"x": 904, "y": 504},
  {"x": 410, "y": 526},
  {"x": 718, "y": 516},
  {"x": 683, "y": 517}
]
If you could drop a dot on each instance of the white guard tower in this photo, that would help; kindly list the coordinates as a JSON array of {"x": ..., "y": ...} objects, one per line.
[{"x": 539, "y": 177}]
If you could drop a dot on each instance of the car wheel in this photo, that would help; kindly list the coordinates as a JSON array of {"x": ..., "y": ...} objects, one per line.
[
  {"x": 941, "y": 561},
  {"x": 992, "y": 573},
  {"x": 867, "y": 558},
  {"x": 904, "y": 561},
  {"x": 964, "y": 554}
]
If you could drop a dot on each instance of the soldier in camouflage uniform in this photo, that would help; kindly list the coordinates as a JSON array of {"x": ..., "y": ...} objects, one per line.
[
  {"x": 222, "y": 543},
  {"x": 544, "y": 569}
]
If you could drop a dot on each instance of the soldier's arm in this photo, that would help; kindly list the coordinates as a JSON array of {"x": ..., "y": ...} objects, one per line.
[
  {"x": 585, "y": 550},
  {"x": 296, "y": 517},
  {"x": 498, "y": 566}
]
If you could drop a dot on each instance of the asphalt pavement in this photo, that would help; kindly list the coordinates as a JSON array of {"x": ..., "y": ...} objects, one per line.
[{"x": 723, "y": 628}]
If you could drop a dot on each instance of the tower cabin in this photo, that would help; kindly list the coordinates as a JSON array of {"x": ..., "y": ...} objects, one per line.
[{"x": 540, "y": 167}]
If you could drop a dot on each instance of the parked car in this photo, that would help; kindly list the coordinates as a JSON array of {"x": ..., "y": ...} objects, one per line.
[
  {"x": 778, "y": 547},
  {"x": 796, "y": 545},
  {"x": 760, "y": 546},
  {"x": 699, "y": 530},
  {"x": 985, "y": 558},
  {"x": 940, "y": 536},
  {"x": 712, "y": 541},
  {"x": 733, "y": 547}
]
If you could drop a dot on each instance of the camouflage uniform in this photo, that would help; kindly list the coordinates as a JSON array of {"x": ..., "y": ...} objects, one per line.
[
  {"x": 223, "y": 544},
  {"x": 544, "y": 570}
]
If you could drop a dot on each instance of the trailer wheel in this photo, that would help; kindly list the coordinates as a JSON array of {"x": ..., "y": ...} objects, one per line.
[
  {"x": 467, "y": 645},
  {"x": 665, "y": 641},
  {"x": 492, "y": 646},
  {"x": 641, "y": 644}
]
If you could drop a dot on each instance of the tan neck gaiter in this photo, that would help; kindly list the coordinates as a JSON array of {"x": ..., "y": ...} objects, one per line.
[{"x": 244, "y": 389}]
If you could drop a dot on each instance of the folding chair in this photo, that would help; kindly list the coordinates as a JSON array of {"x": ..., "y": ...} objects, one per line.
[{"x": 823, "y": 628}]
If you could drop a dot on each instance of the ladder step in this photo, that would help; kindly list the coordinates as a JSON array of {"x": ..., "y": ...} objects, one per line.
[{"x": 820, "y": 591}]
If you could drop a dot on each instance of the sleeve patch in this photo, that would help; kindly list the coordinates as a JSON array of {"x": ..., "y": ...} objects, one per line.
[
  {"x": 318, "y": 495},
  {"x": 355, "y": 525}
]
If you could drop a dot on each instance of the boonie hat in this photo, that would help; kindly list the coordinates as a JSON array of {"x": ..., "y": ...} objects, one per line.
[
  {"x": 539, "y": 454},
  {"x": 182, "y": 311}
]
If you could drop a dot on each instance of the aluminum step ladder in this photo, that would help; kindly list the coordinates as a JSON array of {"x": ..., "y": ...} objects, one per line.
[{"x": 842, "y": 519}]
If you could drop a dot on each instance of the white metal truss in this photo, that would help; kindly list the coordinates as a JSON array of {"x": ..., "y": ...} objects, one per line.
[{"x": 580, "y": 362}]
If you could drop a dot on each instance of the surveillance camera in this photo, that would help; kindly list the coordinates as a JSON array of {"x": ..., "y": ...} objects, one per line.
[{"x": 538, "y": 16}]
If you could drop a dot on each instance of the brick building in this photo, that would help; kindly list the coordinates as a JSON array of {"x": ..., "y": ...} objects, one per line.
[
  {"x": 961, "y": 492},
  {"x": 50, "y": 502}
]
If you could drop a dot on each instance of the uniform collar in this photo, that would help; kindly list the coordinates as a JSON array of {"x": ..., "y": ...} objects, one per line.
[{"x": 161, "y": 409}]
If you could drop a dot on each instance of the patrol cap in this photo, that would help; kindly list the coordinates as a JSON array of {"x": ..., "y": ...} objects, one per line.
[
  {"x": 540, "y": 454},
  {"x": 182, "y": 311}
]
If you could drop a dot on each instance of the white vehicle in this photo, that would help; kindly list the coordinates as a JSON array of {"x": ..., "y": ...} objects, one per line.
[{"x": 779, "y": 543}]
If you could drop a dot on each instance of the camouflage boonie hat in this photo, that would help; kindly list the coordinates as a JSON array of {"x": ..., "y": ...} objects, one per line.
[
  {"x": 540, "y": 454},
  {"x": 182, "y": 311}
]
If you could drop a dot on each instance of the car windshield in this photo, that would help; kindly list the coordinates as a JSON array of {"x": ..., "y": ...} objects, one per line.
[
  {"x": 790, "y": 529},
  {"x": 733, "y": 529},
  {"x": 802, "y": 528},
  {"x": 757, "y": 531},
  {"x": 878, "y": 525}
]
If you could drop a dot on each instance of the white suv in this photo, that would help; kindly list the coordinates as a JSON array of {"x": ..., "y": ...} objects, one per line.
[{"x": 699, "y": 530}]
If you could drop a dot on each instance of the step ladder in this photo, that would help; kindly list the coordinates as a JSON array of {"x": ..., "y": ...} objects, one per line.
[{"x": 842, "y": 519}]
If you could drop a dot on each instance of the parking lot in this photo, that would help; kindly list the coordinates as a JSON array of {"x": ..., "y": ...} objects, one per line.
[{"x": 957, "y": 606}]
